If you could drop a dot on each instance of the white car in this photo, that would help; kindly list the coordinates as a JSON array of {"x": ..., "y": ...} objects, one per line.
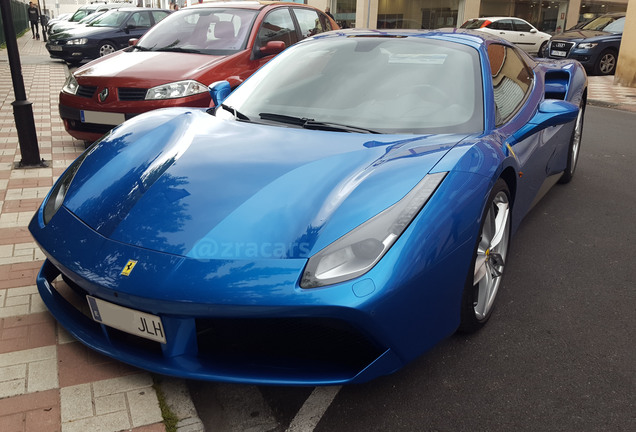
[{"x": 515, "y": 30}]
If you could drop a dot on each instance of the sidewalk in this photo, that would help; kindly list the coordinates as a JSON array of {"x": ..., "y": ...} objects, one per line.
[{"x": 48, "y": 381}]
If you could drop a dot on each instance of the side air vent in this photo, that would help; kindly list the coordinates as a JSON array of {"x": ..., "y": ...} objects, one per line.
[{"x": 556, "y": 84}]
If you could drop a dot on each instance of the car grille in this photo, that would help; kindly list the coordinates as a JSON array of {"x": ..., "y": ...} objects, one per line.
[
  {"x": 86, "y": 91},
  {"x": 131, "y": 94},
  {"x": 560, "y": 49},
  {"x": 298, "y": 343}
]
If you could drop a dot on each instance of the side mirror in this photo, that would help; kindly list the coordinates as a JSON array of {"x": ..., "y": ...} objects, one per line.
[
  {"x": 219, "y": 91},
  {"x": 133, "y": 41},
  {"x": 533, "y": 31},
  {"x": 552, "y": 112},
  {"x": 272, "y": 47}
]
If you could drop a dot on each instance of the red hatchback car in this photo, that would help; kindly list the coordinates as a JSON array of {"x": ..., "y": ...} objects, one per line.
[{"x": 174, "y": 62}]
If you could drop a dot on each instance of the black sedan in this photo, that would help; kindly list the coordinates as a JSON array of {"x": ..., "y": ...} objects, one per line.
[
  {"x": 595, "y": 44},
  {"x": 105, "y": 35}
]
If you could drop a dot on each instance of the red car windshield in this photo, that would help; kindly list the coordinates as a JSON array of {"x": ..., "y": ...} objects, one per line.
[{"x": 216, "y": 31}]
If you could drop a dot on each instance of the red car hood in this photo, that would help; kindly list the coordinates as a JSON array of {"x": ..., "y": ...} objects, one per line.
[{"x": 149, "y": 67}]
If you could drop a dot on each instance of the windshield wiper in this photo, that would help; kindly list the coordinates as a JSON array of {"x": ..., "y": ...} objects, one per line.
[
  {"x": 298, "y": 121},
  {"x": 308, "y": 123},
  {"x": 140, "y": 48},
  {"x": 237, "y": 114},
  {"x": 181, "y": 50},
  {"x": 336, "y": 127}
]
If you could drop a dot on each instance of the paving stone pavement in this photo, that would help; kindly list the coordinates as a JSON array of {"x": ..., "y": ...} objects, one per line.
[{"x": 48, "y": 381}]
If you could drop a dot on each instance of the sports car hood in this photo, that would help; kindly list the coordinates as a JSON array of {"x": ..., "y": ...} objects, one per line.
[
  {"x": 135, "y": 66},
  {"x": 183, "y": 182}
]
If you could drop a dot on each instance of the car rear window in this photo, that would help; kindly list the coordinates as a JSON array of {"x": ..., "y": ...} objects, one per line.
[{"x": 474, "y": 24}]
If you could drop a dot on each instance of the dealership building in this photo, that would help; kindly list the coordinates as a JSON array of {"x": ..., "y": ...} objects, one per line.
[{"x": 547, "y": 16}]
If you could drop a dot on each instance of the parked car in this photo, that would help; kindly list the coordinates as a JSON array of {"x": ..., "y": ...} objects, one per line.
[
  {"x": 80, "y": 14},
  {"x": 595, "y": 45},
  {"x": 104, "y": 35},
  {"x": 520, "y": 32},
  {"x": 84, "y": 21},
  {"x": 173, "y": 64},
  {"x": 61, "y": 17},
  {"x": 341, "y": 212}
]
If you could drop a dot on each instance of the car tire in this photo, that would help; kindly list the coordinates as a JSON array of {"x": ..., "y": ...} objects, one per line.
[
  {"x": 574, "y": 147},
  {"x": 606, "y": 63},
  {"x": 488, "y": 262},
  {"x": 106, "y": 47}
]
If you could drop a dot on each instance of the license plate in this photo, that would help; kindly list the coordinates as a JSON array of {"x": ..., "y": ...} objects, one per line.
[
  {"x": 557, "y": 53},
  {"x": 127, "y": 320},
  {"x": 55, "y": 48},
  {"x": 99, "y": 117}
]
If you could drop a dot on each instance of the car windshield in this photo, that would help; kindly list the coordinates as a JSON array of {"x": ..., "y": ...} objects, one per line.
[
  {"x": 80, "y": 14},
  {"x": 112, "y": 18},
  {"x": 606, "y": 23},
  {"x": 382, "y": 84},
  {"x": 216, "y": 31},
  {"x": 91, "y": 17}
]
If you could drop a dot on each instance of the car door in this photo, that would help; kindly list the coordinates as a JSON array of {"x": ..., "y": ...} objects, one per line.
[
  {"x": 277, "y": 25},
  {"x": 527, "y": 37},
  {"x": 504, "y": 29},
  {"x": 310, "y": 22},
  {"x": 515, "y": 104},
  {"x": 135, "y": 26}
]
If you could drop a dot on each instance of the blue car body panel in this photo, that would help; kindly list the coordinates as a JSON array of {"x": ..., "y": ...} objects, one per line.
[{"x": 221, "y": 218}]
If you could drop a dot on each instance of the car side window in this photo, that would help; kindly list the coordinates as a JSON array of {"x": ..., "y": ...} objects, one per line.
[
  {"x": 512, "y": 80},
  {"x": 140, "y": 20},
  {"x": 504, "y": 24},
  {"x": 159, "y": 15},
  {"x": 311, "y": 22},
  {"x": 522, "y": 26},
  {"x": 277, "y": 26}
]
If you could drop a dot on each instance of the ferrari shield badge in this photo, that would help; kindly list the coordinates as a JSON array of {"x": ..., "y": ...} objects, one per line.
[{"x": 130, "y": 265}]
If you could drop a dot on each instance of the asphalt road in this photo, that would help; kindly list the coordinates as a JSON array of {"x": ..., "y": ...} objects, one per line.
[{"x": 559, "y": 353}]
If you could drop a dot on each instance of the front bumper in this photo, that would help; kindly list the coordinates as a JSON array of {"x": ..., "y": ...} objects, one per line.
[
  {"x": 71, "y": 53},
  {"x": 76, "y": 125},
  {"x": 305, "y": 350},
  {"x": 587, "y": 57}
]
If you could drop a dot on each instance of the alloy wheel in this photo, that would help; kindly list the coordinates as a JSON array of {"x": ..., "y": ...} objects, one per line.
[{"x": 491, "y": 255}]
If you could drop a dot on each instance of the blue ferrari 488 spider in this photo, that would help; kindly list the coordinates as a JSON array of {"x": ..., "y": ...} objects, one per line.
[{"x": 338, "y": 214}]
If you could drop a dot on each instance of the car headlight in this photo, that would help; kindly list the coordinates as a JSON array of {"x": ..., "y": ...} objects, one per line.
[
  {"x": 70, "y": 85},
  {"x": 586, "y": 45},
  {"x": 56, "y": 197},
  {"x": 176, "y": 90},
  {"x": 356, "y": 252},
  {"x": 81, "y": 41}
]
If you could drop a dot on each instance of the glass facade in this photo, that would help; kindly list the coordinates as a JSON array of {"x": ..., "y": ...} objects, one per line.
[
  {"x": 547, "y": 16},
  {"x": 417, "y": 14},
  {"x": 591, "y": 9},
  {"x": 344, "y": 12}
]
